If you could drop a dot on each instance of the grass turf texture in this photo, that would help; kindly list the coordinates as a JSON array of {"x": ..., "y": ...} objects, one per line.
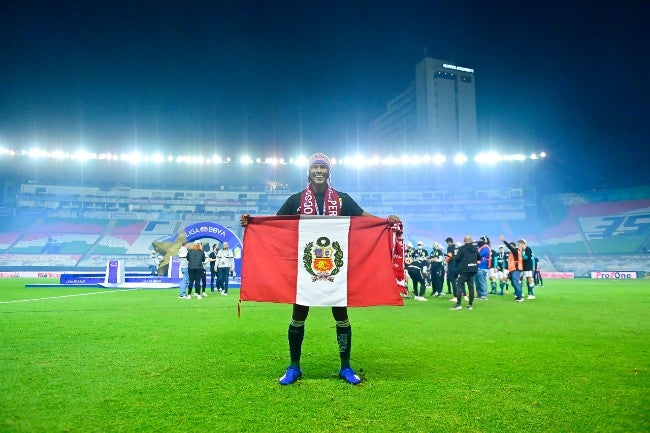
[{"x": 576, "y": 359}]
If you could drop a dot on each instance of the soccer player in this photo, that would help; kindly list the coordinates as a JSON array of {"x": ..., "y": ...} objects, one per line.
[
  {"x": 502, "y": 269},
  {"x": 437, "y": 270},
  {"x": 527, "y": 257},
  {"x": 515, "y": 268},
  {"x": 319, "y": 198},
  {"x": 416, "y": 269},
  {"x": 493, "y": 272},
  {"x": 421, "y": 252},
  {"x": 484, "y": 263},
  {"x": 537, "y": 274}
]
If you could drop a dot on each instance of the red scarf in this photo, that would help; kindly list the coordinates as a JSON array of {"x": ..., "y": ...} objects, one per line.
[{"x": 332, "y": 202}]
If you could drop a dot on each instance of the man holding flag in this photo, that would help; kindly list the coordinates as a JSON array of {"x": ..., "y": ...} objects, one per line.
[{"x": 323, "y": 262}]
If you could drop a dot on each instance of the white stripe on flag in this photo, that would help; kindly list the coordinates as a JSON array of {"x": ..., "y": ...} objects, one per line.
[{"x": 323, "y": 232}]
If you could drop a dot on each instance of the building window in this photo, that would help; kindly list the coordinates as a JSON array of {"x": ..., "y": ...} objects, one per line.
[{"x": 444, "y": 75}]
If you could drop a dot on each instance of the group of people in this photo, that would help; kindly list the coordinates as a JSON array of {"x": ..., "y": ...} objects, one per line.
[
  {"x": 473, "y": 265},
  {"x": 464, "y": 263},
  {"x": 220, "y": 264}
]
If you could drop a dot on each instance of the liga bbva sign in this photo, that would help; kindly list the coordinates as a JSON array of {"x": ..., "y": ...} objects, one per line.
[{"x": 215, "y": 231}]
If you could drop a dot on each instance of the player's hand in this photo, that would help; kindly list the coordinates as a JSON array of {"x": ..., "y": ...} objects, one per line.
[
  {"x": 394, "y": 219},
  {"x": 243, "y": 219}
]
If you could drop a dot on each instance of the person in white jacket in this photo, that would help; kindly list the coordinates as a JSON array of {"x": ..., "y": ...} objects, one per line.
[{"x": 225, "y": 265}]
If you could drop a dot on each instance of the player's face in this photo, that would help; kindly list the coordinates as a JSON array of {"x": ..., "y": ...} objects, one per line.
[{"x": 318, "y": 174}]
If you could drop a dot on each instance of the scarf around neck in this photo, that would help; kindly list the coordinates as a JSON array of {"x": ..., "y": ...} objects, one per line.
[{"x": 331, "y": 202}]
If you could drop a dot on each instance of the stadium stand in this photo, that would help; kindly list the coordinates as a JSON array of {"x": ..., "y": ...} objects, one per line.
[{"x": 62, "y": 227}]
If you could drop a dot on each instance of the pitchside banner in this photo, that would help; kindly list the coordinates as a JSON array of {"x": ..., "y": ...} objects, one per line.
[
  {"x": 614, "y": 275},
  {"x": 561, "y": 275}
]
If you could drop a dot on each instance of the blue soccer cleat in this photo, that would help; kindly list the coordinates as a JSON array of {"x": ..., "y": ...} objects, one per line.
[
  {"x": 292, "y": 374},
  {"x": 349, "y": 376}
]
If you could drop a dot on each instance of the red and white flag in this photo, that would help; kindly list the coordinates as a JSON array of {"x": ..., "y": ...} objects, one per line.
[{"x": 319, "y": 261}]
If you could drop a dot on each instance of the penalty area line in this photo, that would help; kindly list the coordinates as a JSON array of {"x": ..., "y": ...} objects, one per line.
[{"x": 65, "y": 296}]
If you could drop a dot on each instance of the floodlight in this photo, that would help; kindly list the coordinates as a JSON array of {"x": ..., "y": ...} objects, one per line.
[
  {"x": 35, "y": 153},
  {"x": 488, "y": 158},
  {"x": 300, "y": 161},
  {"x": 82, "y": 156},
  {"x": 134, "y": 157},
  {"x": 390, "y": 160},
  {"x": 439, "y": 159},
  {"x": 460, "y": 159},
  {"x": 246, "y": 160}
]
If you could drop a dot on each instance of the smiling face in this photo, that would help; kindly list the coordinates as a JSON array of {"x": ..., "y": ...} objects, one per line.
[{"x": 318, "y": 175}]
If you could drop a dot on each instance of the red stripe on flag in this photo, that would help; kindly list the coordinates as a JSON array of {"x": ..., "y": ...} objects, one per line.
[
  {"x": 269, "y": 265},
  {"x": 371, "y": 280}
]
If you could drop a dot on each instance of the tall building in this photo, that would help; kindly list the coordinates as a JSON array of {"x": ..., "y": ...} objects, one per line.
[{"x": 437, "y": 112}]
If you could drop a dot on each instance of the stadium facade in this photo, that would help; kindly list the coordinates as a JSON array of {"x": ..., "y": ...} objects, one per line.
[{"x": 436, "y": 112}]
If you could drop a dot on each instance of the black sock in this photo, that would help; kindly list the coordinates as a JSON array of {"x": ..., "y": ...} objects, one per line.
[
  {"x": 344, "y": 339},
  {"x": 296, "y": 335}
]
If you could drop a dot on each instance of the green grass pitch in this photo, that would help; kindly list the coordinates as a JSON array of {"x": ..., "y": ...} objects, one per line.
[{"x": 92, "y": 360}]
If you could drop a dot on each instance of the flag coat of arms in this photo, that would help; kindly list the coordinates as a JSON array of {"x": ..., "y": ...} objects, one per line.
[{"x": 319, "y": 261}]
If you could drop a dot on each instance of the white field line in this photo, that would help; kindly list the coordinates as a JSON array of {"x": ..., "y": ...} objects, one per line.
[{"x": 64, "y": 296}]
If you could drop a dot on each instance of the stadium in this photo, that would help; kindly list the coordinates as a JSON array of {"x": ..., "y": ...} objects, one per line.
[
  {"x": 129, "y": 372},
  {"x": 129, "y": 128}
]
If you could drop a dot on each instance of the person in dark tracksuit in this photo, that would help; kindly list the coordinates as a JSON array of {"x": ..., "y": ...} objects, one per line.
[
  {"x": 451, "y": 266},
  {"x": 195, "y": 259},
  {"x": 466, "y": 267}
]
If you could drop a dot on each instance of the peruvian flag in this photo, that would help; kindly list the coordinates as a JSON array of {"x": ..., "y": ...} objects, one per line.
[{"x": 319, "y": 261}]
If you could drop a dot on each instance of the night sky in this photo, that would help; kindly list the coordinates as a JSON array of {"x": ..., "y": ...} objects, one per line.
[{"x": 570, "y": 78}]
